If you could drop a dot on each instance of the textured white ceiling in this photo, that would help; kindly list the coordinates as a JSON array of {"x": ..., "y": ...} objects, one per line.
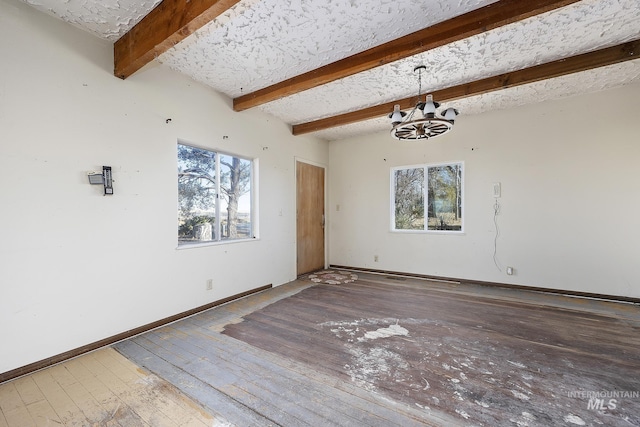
[
  {"x": 570, "y": 85},
  {"x": 272, "y": 40},
  {"x": 582, "y": 27},
  {"x": 261, "y": 42},
  {"x": 107, "y": 19}
]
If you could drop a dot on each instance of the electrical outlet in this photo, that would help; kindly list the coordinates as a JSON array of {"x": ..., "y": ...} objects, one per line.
[
  {"x": 510, "y": 271},
  {"x": 375, "y": 258},
  {"x": 209, "y": 284}
]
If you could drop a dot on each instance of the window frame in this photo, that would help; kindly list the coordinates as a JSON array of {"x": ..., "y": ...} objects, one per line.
[
  {"x": 217, "y": 209},
  {"x": 425, "y": 202}
]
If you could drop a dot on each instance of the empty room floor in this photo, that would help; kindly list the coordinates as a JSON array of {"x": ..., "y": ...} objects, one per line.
[{"x": 371, "y": 350}]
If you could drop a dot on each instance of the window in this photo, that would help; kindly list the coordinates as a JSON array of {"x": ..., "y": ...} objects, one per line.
[
  {"x": 214, "y": 196},
  {"x": 439, "y": 185}
]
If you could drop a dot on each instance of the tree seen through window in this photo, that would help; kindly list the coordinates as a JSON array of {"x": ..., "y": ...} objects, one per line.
[
  {"x": 439, "y": 185},
  {"x": 214, "y": 196}
]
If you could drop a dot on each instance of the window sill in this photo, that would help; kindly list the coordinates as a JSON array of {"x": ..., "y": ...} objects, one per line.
[
  {"x": 444, "y": 232},
  {"x": 215, "y": 243}
]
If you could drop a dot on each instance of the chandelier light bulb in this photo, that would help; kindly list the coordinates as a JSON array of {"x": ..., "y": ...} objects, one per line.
[
  {"x": 450, "y": 114},
  {"x": 430, "y": 107},
  {"x": 397, "y": 115}
]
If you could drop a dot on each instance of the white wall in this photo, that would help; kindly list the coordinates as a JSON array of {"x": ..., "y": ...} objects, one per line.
[
  {"x": 569, "y": 208},
  {"x": 75, "y": 266}
]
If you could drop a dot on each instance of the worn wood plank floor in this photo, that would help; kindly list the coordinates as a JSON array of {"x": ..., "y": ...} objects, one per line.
[
  {"x": 246, "y": 386},
  {"x": 384, "y": 352},
  {"x": 381, "y": 351},
  {"x": 480, "y": 356}
]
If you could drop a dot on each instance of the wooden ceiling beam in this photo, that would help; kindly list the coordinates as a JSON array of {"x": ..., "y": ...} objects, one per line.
[
  {"x": 587, "y": 61},
  {"x": 166, "y": 25},
  {"x": 486, "y": 18}
]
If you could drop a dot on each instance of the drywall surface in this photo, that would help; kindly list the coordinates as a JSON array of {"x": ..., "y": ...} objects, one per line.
[
  {"x": 76, "y": 266},
  {"x": 570, "y": 200}
]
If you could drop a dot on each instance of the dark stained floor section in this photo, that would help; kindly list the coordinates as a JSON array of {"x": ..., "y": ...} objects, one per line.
[{"x": 384, "y": 352}]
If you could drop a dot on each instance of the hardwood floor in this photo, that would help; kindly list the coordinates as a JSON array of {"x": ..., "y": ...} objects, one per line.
[
  {"x": 478, "y": 358},
  {"x": 381, "y": 351}
]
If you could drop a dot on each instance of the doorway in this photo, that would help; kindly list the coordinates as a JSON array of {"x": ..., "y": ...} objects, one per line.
[{"x": 310, "y": 219}]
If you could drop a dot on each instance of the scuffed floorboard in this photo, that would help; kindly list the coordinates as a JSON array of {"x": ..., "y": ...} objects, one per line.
[
  {"x": 247, "y": 386},
  {"x": 380, "y": 352},
  {"x": 484, "y": 360}
]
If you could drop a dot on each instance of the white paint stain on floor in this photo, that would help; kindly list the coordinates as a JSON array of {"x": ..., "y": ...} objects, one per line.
[
  {"x": 446, "y": 366},
  {"x": 376, "y": 359},
  {"x": 393, "y": 330},
  {"x": 483, "y": 404},
  {"x": 220, "y": 423},
  {"x": 369, "y": 365},
  {"x": 519, "y": 395},
  {"x": 524, "y": 420},
  {"x": 517, "y": 364},
  {"x": 574, "y": 419},
  {"x": 356, "y": 330},
  {"x": 463, "y": 414}
]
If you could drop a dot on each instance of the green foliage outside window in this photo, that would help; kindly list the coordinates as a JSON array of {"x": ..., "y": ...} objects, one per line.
[
  {"x": 439, "y": 185},
  {"x": 214, "y": 196}
]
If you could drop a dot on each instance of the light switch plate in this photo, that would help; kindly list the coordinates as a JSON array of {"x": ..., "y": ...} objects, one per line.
[{"x": 497, "y": 190}]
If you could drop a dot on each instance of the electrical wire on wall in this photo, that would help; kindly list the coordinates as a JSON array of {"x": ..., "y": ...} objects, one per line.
[{"x": 496, "y": 211}]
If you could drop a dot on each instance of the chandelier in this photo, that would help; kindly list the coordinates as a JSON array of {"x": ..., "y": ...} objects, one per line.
[{"x": 421, "y": 122}]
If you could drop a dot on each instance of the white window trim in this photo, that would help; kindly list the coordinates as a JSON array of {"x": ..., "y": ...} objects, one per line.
[
  {"x": 392, "y": 206},
  {"x": 254, "y": 209}
]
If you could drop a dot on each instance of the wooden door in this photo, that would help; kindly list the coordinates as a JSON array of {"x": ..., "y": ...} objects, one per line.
[{"x": 310, "y": 217}]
